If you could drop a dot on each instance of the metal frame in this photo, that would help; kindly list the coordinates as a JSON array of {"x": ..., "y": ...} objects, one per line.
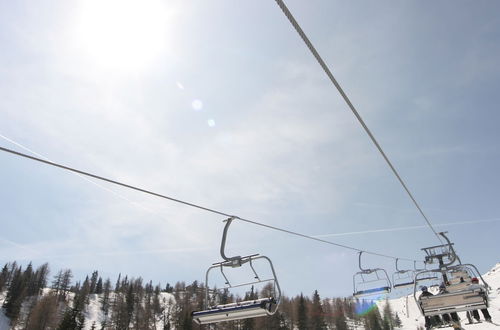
[
  {"x": 431, "y": 277},
  {"x": 242, "y": 309},
  {"x": 441, "y": 252},
  {"x": 459, "y": 297},
  {"x": 471, "y": 269},
  {"x": 368, "y": 271},
  {"x": 402, "y": 278},
  {"x": 458, "y": 301}
]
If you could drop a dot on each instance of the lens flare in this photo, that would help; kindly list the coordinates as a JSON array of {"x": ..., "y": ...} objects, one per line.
[
  {"x": 365, "y": 306},
  {"x": 211, "y": 123},
  {"x": 197, "y": 105}
]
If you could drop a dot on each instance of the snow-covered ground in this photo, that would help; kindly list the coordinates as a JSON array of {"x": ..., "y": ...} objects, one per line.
[
  {"x": 93, "y": 312},
  {"x": 410, "y": 315},
  {"x": 4, "y": 321}
]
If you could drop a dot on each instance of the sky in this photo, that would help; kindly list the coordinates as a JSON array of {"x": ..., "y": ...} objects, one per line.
[{"x": 220, "y": 103}]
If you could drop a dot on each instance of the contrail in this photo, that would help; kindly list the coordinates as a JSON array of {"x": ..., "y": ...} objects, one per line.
[
  {"x": 17, "y": 245},
  {"x": 406, "y": 228},
  {"x": 81, "y": 176}
]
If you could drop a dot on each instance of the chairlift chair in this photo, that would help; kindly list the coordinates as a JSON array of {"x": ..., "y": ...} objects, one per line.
[
  {"x": 460, "y": 297},
  {"x": 452, "y": 301},
  {"x": 378, "y": 283},
  {"x": 215, "y": 313},
  {"x": 402, "y": 278}
]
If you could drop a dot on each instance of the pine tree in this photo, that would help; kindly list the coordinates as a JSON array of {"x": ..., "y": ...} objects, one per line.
[
  {"x": 99, "y": 286},
  {"x": 117, "y": 285},
  {"x": 4, "y": 277},
  {"x": 93, "y": 282},
  {"x": 373, "y": 320},
  {"x": 388, "y": 318},
  {"x": 81, "y": 296},
  {"x": 397, "y": 321},
  {"x": 249, "y": 324},
  {"x": 105, "y": 296},
  {"x": 317, "y": 321},
  {"x": 339, "y": 314},
  {"x": 15, "y": 295},
  {"x": 302, "y": 321},
  {"x": 41, "y": 275},
  {"x": 61, "y": 283},
  {"x": 69, "y": 320}
]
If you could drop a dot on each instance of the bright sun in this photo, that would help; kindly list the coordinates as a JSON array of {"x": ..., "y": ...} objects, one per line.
[{"x": 122, "y": 34}]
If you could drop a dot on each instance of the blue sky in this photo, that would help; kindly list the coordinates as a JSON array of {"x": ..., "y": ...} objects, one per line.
[{"x": 219, "y": 103}]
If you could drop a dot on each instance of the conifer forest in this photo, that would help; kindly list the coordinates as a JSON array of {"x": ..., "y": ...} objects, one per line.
[{"x": 37, "y": 299}]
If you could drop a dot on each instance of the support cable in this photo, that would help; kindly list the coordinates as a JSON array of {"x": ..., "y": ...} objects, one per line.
[
  {"x": 71, "y": 169},
  {"x": 323, "y": 65}
]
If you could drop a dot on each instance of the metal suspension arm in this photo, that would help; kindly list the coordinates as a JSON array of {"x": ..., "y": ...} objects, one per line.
[
  {"x": 236, "y": 260},
  {"x": 453, "y": 253},
  {"x": 359, "y": 263}
]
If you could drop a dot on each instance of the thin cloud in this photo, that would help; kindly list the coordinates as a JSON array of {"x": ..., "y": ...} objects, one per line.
[{"x": 405, "y": 228}]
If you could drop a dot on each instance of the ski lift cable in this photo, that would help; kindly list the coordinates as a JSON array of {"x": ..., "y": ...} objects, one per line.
[
  {"x": 71, "y": 169},
  {"x": 323, "y": 65}
]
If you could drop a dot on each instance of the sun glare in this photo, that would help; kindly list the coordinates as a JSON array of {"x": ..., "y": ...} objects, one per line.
[{"x": 122, "y": 34}]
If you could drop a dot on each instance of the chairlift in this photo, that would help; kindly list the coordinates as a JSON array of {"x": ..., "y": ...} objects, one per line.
[
  {"x": 459, "y": 297},
  {"x": 452, "y": 301},
  {"x": 215, "y": 313},
  {"x": 378, "y": 281},
  {"x": 402, "y": 278}
]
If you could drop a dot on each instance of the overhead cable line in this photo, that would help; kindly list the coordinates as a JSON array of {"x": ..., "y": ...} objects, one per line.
[
  {"x": 71, "y": 169},
  {"x": 323, "y": 65}
]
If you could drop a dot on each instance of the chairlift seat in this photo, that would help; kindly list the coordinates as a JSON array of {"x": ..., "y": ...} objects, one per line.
[
  {"x": 372, "y": 291},
  {"x": 403, "y": 285},
  {"x": 236, "y": 311},
  {"x": 457, "y": 287},
  {"x": 453, "y": 302},
  {"x": 428, "y": 278}
]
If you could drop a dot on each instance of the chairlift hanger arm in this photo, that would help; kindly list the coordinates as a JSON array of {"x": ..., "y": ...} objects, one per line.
[
  {"x": 235, "y": 259},
  {"x": 359, "y": 263}
]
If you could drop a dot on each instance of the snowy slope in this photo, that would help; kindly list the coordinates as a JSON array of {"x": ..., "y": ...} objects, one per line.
[
  {"x": 93, "y": 312},
  {"x": 4, "y": 321},
  {"x": 410, "y": 315}
]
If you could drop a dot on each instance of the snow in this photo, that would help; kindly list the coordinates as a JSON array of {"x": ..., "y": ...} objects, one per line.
[
  {"x": 93, "y": 312},
  {"x": 4, "y": 321},
  {"x": 411, "y": 318}
]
